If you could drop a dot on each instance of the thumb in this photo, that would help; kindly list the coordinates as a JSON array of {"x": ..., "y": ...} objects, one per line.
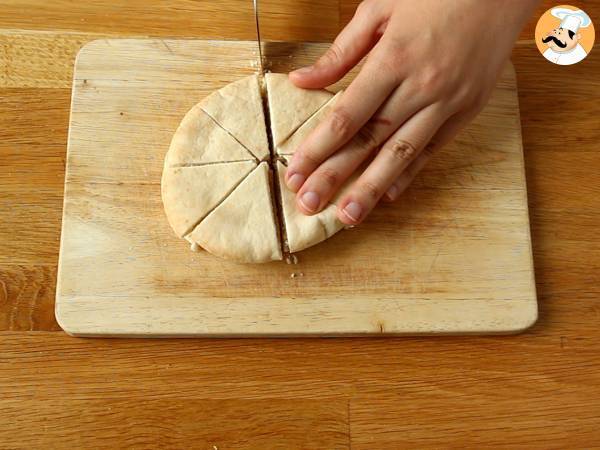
[{"x": 354, "y": 42}]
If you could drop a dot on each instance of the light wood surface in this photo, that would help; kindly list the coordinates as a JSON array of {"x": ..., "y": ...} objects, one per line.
[
  {"x": 534, "y": 390},
  {"x": 438, "y": 263}
]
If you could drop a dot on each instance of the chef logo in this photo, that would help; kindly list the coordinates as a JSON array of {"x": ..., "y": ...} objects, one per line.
[{"x": 565, "y": 35}]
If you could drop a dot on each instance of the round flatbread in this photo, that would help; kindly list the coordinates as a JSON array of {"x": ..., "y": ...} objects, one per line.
[{"x": 218, "y": 194}]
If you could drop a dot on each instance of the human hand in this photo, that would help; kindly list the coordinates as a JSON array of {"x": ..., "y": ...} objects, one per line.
[{"x": 431, "y": 68}]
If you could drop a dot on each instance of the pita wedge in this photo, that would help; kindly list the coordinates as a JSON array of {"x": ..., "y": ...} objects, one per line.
[
  {"x": 238, "y": 108},
  {"x": 190, "y": 193},
  {"x": 290, "y": 106},
  {"x": 200, "y": 140},
  {"x": 305, "y": 231},
  {"x": 289, "y": 146},
  {"x": 243, "y": 228}
]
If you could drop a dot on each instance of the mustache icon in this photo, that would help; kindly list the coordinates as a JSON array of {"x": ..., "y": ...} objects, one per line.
[{"x": 555, "y": 40}]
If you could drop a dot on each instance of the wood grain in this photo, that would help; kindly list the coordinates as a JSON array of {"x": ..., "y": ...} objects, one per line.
[
  {"x": 27, "y": 297},
  {"x": 39, "y": 59},
  {"x": 272, "y": 368},
  {"x": 179, "y": 423},
  {"x": 280, "y": 20},
  {"x": 420, "y": 420},
  {"x": 436, "y": 263},
  {"x": 32, "y": 144},
  {"x": 32, "y": 156},
  {"x": 402, "y": 392},
  {"x": 535, "y": 390}
]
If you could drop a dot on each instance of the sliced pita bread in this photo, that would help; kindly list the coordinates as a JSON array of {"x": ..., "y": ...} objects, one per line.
[
  {"x": 238, "y": 108},
  {"x": 290, "y": 106},
  {"x": 243, "y": 228},
  {"x": 200, "y": 140},
  {"x": 289, "y": 146},
  {"x": 305, "y": 231},
  {"x": 190, "y": 193}
]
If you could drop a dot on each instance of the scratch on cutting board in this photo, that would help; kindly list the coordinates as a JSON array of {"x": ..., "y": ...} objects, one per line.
[
  {"x": 167, "y": 47},
  {"x": 434, "y": 260}
]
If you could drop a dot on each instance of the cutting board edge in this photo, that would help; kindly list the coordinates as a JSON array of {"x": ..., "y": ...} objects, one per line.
[{"x": 366, "y": 320}]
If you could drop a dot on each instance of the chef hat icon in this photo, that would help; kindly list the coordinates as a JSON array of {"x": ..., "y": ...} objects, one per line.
[{"x": 572, "y": 19}]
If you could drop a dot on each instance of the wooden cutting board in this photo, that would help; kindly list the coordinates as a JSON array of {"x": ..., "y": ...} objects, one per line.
[{"x": 452, "y": 256}]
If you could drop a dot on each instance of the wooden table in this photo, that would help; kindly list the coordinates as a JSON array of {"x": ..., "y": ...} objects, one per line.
[{"x": 536, "y": 390}]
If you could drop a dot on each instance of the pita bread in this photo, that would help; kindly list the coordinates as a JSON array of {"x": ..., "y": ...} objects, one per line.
[
  {"x": 215, "y": 192},
  {"x": 200, "y": 140},
  {"x": 243, "y": 228},
  {"x": 289, "y": 146},
  {"x": 305, "y": 231},
  {"x": 290, "y": 106},
  {"x": 238, "y": 108},
  {"x": 190, "y": 193}
]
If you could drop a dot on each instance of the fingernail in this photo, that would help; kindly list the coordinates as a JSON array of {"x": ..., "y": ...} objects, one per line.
[
  {"x": 392, "y": 193},
  {"x": 295, "y": 182},
  {"x": 303, "y": 70},
  {"x": 310, "y": 200},
  {"x": 353, "y": 210}
]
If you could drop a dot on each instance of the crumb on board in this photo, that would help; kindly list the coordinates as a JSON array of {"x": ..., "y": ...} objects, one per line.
[
  {"x": 291, "y": 259},
  {"x": 296, "y": 274},
  {"x": 194, "y": 247}
]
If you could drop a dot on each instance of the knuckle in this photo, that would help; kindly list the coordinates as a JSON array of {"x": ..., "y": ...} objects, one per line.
[
  {"x": 467, "y": 97},
  {"x": 329, "y": 176},
  {"x": 431, "y": 79},
  {"x": 340, "y": 123},
  {"x": 464, "y": 95},
  {"x": 435, "y": 79},
  {"x": 372, "y": 191},
  {"x": 401, "y": 151}
]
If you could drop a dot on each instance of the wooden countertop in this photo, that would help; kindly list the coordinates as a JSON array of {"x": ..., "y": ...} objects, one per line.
[{"x": 540, "y": 389}]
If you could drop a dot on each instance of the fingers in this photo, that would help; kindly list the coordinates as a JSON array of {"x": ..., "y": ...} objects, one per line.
[
  {"x": 396, "y": 154},
  {"x": 349, "y": 114},
  {"x": 324, "y": 182},
  {"x": 444, "y": 135},
  {"x": 354, "y": 42},
  {"x": 408, "y": 175}
]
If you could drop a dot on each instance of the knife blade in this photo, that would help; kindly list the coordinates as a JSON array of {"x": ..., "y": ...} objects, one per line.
[{"x": 260, "y": 57}]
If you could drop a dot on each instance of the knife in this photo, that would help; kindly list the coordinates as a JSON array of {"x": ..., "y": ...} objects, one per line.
[{"x": 260, "y": 57}]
